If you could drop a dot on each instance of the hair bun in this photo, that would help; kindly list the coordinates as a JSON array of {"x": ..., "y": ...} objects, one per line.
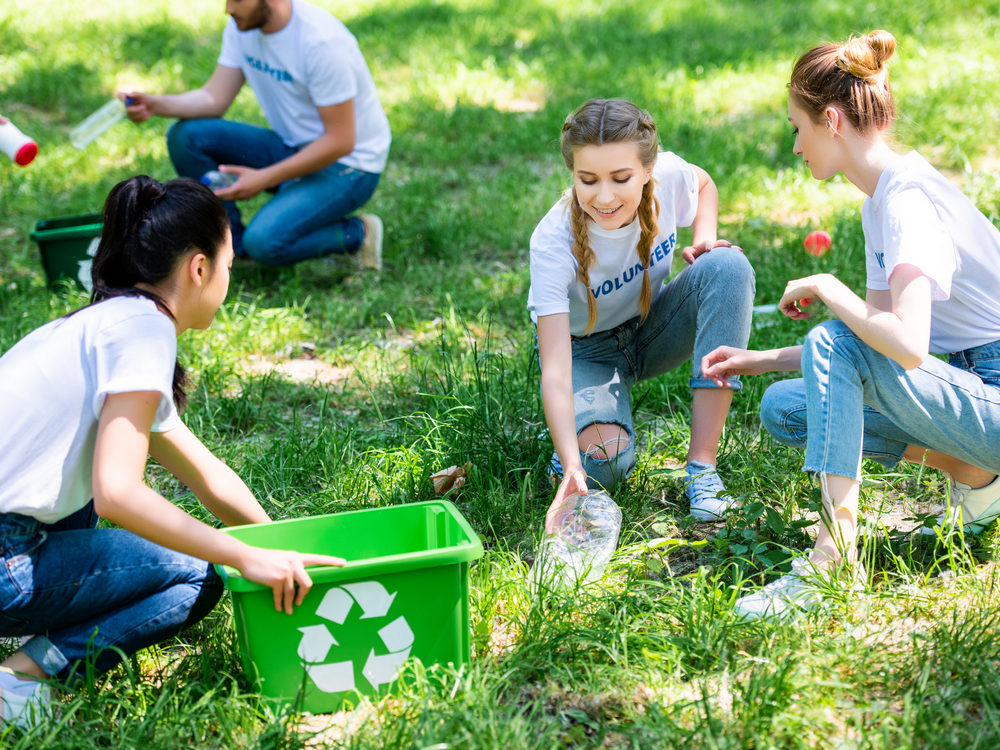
[
  {"x": 883, "y": 46},
  {"x": 865, "y": 57}
]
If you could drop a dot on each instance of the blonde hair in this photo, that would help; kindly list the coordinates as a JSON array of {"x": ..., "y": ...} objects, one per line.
[
  {"x": 595, "y": 123},
  {"x": 853, "y": 76}
]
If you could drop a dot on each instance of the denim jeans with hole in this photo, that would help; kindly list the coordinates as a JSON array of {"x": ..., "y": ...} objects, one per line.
[
  {"x": 853, "y": 402},
  {"x": 94, "y": 593},
  {"x": 307, "y": 217},
  {"x": 706, "y": 305}
]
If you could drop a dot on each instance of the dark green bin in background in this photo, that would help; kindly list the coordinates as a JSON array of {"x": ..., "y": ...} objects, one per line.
[{"x": 67, "y": 247}]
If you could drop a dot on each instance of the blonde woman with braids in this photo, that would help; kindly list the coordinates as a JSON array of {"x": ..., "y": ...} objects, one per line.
[
  {"x": 607, "y": 317},
  {"x": 870, "y": 387}
]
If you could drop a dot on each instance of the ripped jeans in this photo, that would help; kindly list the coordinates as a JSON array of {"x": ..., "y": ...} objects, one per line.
[{"x": 705, "y": 306}]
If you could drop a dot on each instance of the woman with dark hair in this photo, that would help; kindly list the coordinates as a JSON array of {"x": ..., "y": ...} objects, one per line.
[
  {"x": 869, "y": 386},
  {"x": 84, "y": 400}
]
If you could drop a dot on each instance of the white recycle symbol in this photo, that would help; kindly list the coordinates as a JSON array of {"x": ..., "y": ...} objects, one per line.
[{"x": 374, "y": 600}]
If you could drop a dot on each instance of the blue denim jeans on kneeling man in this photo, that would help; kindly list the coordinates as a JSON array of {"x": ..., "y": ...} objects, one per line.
[{"x": 307, "y": 218}]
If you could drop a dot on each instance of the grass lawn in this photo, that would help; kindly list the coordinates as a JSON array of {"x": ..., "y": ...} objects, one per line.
[{"x": 327, "y": 390}]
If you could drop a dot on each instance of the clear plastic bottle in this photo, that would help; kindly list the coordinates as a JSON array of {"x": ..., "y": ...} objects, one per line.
[
  {"x": 20, "y": 148},
  {"x": 586, "y": 535},
  {"x": 98, "y": 123},
  {"x": 216, "y": 180}
]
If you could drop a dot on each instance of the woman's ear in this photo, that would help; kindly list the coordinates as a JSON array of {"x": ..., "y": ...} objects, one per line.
[
  {"x": 649, "y": 174},
  {"x": 833, "y": 119},
  {"x": 199, "y": 268}
]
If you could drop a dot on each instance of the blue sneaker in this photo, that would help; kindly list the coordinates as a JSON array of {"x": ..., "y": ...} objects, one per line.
[{"x": 706, "y": 493}]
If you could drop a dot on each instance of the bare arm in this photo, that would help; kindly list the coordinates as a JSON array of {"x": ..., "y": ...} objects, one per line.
[
  {"x": 211, "y": 100},
  {"x": 336, "y": 142},
  {"x": 209, "y": 478},
  {"x": 123, "y": 498},
  {"x": 555, "y": 353},
  {"x": 705, "y": 227},
  {"x": 894, "y": 323}
]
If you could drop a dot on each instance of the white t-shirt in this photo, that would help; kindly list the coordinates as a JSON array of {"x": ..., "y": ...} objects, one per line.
[
  {"x": 53, "y": 383},
  {"x": 616, "y": 275},
  {"x": 917, "y": 217},
  {"x": 313, "y": 62}
]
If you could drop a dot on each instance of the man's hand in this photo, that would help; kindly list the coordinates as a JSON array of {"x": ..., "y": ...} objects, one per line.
[{"x": 250, "y": 182}]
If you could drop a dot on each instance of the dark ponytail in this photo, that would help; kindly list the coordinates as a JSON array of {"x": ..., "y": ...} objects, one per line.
[{"x": 149, "y": 227}]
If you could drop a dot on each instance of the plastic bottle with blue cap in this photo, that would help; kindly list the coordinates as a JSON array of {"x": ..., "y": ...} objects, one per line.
[{"x": 99, "y": 122}]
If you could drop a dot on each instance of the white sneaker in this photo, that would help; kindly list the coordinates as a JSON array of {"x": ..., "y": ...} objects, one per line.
[
  {"x": 800, "y": 590},
  {"x": 977, "y": 509},
  {"x": 23, "y": 703},
  {"x": 370, "y": 254},
  {"x": 793, "y": 592}
]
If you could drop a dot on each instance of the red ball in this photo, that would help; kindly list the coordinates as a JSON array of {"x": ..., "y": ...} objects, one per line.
[{"x": 818, "y": 242}]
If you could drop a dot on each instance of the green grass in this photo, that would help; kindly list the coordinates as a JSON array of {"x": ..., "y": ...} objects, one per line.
[{"x": 433, "y": 365}]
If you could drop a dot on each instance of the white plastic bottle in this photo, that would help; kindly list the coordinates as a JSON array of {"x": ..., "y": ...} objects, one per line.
[
  {"x": 585, "y": 537},
  {"x": 98, "y": 123},
  {"x": 20, "y": 148}
]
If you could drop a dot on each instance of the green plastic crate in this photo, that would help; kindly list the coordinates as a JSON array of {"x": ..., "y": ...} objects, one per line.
[
  {"x": 404, "y": 594},
  {"x": 67, "y": 247}
]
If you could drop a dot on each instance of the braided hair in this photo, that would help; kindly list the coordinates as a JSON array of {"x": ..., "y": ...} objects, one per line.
[{"x": 597, "y": 122}]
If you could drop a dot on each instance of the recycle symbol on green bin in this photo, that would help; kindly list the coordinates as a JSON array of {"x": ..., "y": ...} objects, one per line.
[{"x": 317, "y": 640}]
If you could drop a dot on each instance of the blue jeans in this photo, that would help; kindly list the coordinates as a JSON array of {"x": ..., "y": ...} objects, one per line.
[
  {"x": 97, "y": 593},
  {"x": 306, "y": 217},
  {"x": 706, "y": 305},
  {"x": 853, "y": 402}
]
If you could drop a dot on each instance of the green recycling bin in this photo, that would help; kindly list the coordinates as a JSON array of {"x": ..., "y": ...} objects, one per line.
[
  {"x": 404, "y": 594},
  {"x": 67, "y": 247}
]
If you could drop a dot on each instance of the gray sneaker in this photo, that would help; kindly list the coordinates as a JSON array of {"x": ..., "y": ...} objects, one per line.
[
  {"x": 705, "y": 492},
  {"x": 370, "y": 255},
  {"x": 976, "y": 509}
]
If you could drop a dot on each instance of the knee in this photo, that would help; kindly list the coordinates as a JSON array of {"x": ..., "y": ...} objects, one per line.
[
  {"x": 823, "y": 339},
  {"x": 607, "y": 453},
  {"x": 263, "y": 247},
  {"x": 604, "y": 441},
  {"x": 783, "y": 410},
  {"x": 729, "y": 261},
  {"x": 727, "y": 270},
  {"x": 179, "y": 138}
]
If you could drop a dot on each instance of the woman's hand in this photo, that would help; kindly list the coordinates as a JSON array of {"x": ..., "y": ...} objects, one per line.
[
  {"x": 799, "y": 293},
  {"x": 723, "y": 363},
  {"x": 284, "y": 572},
  {"x": 574, "y": 482},
  {"x": 691, "y": 252}
]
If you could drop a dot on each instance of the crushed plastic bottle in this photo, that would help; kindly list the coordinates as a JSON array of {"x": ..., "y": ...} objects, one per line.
[
  {"x": 216, "y": 180},
  {"x": 586, "y": 535}
]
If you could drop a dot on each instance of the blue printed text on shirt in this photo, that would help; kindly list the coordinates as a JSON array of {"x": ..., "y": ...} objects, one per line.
[
  {"x": 278, "y": 75},
  {"x": 657, "y": 255}
]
